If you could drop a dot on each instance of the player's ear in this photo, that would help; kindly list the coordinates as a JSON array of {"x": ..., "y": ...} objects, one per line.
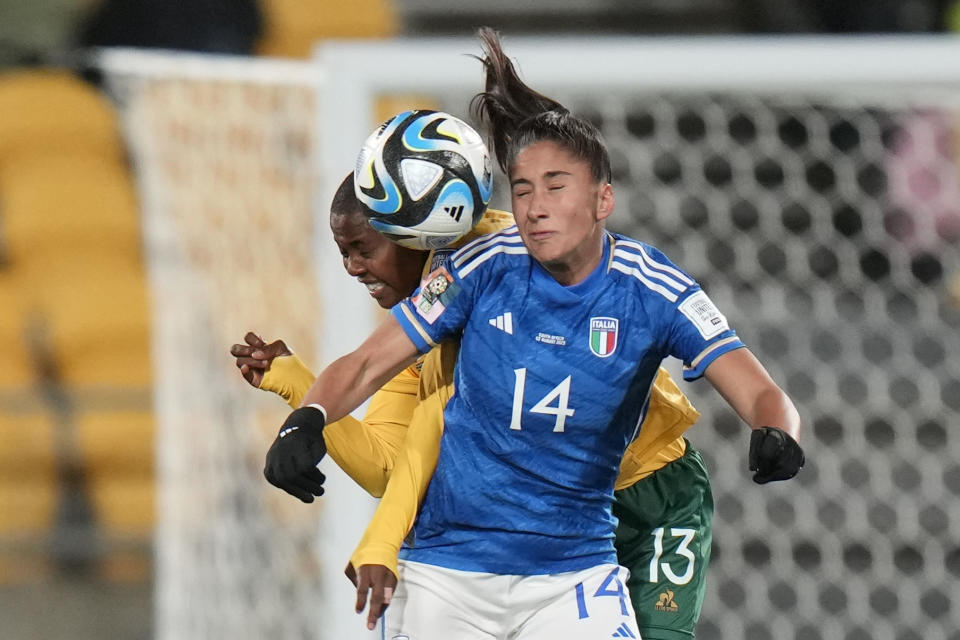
[{"x": 605, "y": 201}]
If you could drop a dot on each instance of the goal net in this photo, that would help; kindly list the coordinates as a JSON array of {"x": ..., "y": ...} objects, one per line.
[
  {"x": 811, "y": 185},
  {"x": 224, "y": 154}
]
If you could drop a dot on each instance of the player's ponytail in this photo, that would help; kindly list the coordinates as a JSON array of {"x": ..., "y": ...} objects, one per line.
[
  {"x": 517, "y": 116},
  {"x": 506, "y": 101}
]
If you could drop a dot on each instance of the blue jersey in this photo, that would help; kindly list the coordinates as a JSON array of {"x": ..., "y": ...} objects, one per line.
[{"x": 550, "y": 387}]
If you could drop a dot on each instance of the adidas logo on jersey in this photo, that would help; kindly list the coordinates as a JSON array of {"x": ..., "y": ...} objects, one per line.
[
  {"x": 623, "y": 631},
  {"x": 503, "y": 322}
]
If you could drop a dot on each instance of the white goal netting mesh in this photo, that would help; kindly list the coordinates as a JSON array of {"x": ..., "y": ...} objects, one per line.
[
  {"x": 824, "y": 222},
  {"x": 227, "y": 181},
  {"x": 828, "y": 229}
]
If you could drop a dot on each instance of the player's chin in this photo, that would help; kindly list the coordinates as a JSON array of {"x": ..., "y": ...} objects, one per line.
[
  {"x": 551, "y": 260},
  {"x": 386, "y": 297},
  {"x": 546, "y": 251}
]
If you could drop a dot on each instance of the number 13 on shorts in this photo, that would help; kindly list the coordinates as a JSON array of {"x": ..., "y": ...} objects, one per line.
[{"x": 683, "y": 550}]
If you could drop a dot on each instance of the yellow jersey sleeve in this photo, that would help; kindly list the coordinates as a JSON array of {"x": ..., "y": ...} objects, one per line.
[
  {"x": 660, "y": 440},
  {"x": 397, "y": 511},
  {"x": 367, "y": 450},
  {"x": 289, "y": 378}
]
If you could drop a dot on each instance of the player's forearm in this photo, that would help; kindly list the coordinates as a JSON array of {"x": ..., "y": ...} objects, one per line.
[
  {"x": 745, "y": 384},
  {"x": 345, "y": 384},
  {"x": 342, "y": 386},
  {"x": 773, "y": 408}
]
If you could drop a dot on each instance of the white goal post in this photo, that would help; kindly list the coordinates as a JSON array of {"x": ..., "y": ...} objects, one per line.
[{"x": 781, "y": 172}]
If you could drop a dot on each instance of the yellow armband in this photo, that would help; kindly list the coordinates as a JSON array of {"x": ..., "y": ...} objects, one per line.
[{"x": 289, "y": 378}]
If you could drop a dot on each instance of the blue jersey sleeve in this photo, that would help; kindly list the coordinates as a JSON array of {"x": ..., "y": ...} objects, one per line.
[
  {"x": 695, "y": 331},
  {"x": 437, "y": 310},
  {"x": 699, "y": 333}
]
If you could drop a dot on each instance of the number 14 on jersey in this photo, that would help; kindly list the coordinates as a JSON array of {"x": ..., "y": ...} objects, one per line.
[{"x": 560, "y": 394}]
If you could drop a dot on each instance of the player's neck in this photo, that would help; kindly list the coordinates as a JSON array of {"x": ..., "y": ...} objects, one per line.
[{"x": 576, "y": 266}]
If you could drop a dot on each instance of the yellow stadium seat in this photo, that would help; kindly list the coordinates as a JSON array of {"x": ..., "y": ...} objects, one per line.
[
  {"x": 95, "y": 313},
  {"x": 28, "y": 508},
  {"x": 71, "y": 227},
  {"x": 293, "y": 26},
  {"x": 124, "y": 506},
  {"x": 26, "y": 447},
  {"x": 17, "y": 370},
  {"x": 116, "y": 444},
  {"x": 28, "y": 483},
  {"x": 117, "y": 452},
  {"x": 55, "y": 111},
  {"x": 55, "y": 203}
]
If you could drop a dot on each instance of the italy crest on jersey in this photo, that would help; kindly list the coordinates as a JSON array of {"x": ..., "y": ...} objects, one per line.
[{"x": 603, "y": 336}]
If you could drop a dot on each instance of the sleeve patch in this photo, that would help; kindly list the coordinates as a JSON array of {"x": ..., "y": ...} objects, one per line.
[
  {"x": 436, "y": 292},
  {"x": 704, "y": 315}
]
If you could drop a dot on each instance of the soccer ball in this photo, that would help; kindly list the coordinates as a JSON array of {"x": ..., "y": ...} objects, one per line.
[{"x": 423, "y": 178}]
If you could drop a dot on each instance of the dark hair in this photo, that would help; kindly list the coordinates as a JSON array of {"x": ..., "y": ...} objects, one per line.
[
  {"x": 345, "y": 200},
  {"x": 518, "y": 116}
]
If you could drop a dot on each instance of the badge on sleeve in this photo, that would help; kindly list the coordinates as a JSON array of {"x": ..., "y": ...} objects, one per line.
[
  {"x": 704, "y": 315},
  {"x": 436, "y": 292}
]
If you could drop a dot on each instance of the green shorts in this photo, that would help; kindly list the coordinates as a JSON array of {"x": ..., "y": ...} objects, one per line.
[{"x": 663, "y": 538}]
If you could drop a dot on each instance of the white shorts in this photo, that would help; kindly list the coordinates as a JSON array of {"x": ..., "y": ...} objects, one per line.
[{"x": 435, "y": 603}]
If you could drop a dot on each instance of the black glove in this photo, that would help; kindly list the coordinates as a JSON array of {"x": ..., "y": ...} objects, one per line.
[
  {"x": 293, "y": 456},
  {"x": 774, "y": 455}
]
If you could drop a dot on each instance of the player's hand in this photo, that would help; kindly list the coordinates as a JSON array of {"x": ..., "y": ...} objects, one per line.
[
  {"x": 380, "y": 582},
  {"x": 254, "y": 357},
  {"x": 292, "y": 459},
  {"x": 774, "y": 455}
]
